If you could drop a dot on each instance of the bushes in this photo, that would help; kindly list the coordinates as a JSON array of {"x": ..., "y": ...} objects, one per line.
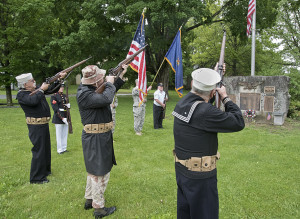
[{"x": 294, "y": 90}]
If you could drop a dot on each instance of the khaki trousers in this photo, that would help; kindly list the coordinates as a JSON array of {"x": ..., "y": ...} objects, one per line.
[{"x": 95, "y": 188}]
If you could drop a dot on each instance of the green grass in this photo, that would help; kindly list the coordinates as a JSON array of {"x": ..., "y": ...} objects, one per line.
[{"x": 258, "y": 174}]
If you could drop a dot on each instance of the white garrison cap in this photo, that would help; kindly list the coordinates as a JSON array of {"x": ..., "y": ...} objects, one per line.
[
  {"x": 23, "y": 78},
  {"x": 205, "y": 79}
]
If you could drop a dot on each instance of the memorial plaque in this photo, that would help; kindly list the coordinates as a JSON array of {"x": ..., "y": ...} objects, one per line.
[
  {"x": 269, "y": 90},
  {"x": 269, "y": 104},
  {"x": 250, "y": 101}
]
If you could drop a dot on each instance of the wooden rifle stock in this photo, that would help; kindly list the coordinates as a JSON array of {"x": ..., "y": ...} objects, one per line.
[
  {"x": 220, "y": 68},
  {"x": 57, "y": 75},
  {"x": 68, "y": 112},
  {"x": 118, "y": 70}
]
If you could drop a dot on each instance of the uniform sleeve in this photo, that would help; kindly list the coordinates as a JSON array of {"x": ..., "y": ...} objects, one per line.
[
  {"x": 53, "y": 88},
  {"x": 91, "y": 99},
  {"x": 118, "y": 83},
  {"x": 135, "y": 91},
  {"x": 215, "y": 120},
  {"x": 24, "y": 98},
  {"x": 55, "y": 106}
]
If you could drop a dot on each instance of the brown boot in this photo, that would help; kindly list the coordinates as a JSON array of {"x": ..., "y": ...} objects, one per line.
[
  {"x": 88, "y": 204},
  {"x": 102, "y": 212}
]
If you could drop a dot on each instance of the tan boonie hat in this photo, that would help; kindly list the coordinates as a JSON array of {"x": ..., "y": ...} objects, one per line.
[
  {"x": 205, "y": 79},
  {"x": 91, "y": 74},
  {"x": 23, "y": 78}
]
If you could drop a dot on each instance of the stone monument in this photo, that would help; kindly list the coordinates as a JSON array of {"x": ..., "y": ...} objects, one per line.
[{"x": 263, "y": 99}]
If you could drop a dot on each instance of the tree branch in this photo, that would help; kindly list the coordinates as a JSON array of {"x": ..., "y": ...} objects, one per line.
[{"x": 208, "y": 21}]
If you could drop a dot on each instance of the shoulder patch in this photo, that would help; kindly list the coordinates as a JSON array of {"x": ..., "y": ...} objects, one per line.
[{"x": 54, "y": 102}]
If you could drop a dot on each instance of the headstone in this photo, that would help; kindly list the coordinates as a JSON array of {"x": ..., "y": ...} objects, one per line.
[{"x": 78, "y": 79}]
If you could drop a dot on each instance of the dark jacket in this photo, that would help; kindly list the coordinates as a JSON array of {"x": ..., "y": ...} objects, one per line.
[
  {"x": 36, "y": 105},
  {"x": 94, "y": 108},
  {"x": 60, "y": 110},
  {"x": 196, "y": 127}
]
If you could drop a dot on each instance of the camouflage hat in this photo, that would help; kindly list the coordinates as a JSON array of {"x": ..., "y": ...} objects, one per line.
[{"x": 91, "y": 74}]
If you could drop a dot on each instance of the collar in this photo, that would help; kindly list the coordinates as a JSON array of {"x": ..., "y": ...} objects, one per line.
[{"x": 184, "y": 109}]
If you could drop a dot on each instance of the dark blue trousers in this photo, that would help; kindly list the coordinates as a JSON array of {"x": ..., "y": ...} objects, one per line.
[
  {"x": 197, "y": 198},
  {"x": 39, "y": 136}
]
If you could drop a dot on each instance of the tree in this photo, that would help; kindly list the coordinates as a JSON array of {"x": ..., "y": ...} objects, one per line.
[{"x": 25, "y": 30}]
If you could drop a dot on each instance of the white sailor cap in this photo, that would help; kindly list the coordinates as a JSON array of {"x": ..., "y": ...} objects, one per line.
[
  {"x": 23, "y": 78},
  {"x": 205, "y": 79}
]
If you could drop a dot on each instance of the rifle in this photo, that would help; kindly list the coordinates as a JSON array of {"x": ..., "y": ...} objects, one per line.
[
  {"x": 68, "y": 112},
  {"x": 118, "y": 70},
  {"x": 50, "y": 80},
  {"x": 220, "y": 68}
]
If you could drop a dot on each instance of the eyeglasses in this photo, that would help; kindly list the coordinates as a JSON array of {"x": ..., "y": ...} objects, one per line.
[{"x": 31, "y": 80}]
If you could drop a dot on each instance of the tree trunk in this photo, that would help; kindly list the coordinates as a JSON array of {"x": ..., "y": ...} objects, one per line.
[{"x": 8, "y": 95}]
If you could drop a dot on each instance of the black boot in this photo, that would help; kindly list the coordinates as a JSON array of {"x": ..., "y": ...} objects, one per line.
[
  {"x": 88, "y": 204},
  {"x": 102, "y": 212}
]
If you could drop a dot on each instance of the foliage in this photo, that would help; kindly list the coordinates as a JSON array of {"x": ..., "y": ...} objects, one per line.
[{"x": 251, "y": 181}]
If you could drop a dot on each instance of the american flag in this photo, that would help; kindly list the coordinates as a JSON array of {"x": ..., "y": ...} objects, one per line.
[
  {"x": 139, "y": 63},
  {"x": 251, "y": 10}
]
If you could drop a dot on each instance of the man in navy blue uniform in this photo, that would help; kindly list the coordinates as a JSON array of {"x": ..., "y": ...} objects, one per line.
[
  {"x": 37, "y": 113},
  {"x": 196, "y": 126}
]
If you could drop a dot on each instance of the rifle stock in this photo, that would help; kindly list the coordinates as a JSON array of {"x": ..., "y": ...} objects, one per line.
[
  {"x": 118, "y": 69},
  {"x": 220, "y": 68},
  {"x": 50, "y": 80}
]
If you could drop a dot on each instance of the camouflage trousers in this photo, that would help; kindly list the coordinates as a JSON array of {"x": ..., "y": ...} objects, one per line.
[
  {"x": 139, "y": 117},
  {"x": 95, "y": 188}
]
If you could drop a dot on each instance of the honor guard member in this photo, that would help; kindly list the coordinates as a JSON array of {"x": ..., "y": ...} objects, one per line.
[
  {"x": 97, "y": 139},
  {"x": 196, "y": 126},
  {"x": 59, "y": 105},
  {"x": 139, "y": 110},
  {"x": 113, "y": 107},
  {"x": 159, "y": 105},
  {"x": 37, "y": 113}
]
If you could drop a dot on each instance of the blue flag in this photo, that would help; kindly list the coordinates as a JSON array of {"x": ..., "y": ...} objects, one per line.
[{"x": 174, "y": 58}]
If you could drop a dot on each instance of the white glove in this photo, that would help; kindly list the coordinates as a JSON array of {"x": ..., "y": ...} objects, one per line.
[
  {"x": 68, "y": 105},
  {"x": 65, "y": 121}
]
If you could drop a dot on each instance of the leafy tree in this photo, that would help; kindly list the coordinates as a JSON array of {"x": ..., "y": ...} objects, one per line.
[{"x": 25, "y": 30}]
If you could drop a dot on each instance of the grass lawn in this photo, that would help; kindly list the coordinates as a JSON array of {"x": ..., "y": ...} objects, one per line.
[{"x": 258, "y": 174}]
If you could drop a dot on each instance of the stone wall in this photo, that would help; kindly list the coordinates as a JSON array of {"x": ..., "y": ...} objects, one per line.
[{"x": 267, "y": 95}]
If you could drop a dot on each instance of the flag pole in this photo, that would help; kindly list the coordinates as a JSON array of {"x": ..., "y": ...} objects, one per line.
[
  {"x": 253, "y": 43},
  {"x": 157, "y": 72}
]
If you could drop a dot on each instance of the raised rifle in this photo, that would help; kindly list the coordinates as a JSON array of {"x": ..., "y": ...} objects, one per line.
[
  {"x": 50, "y": 80},
  {"x": 68, "y": 112},
  {"x": 118, "y": 70},
  {"x": 220, "y": 68}
]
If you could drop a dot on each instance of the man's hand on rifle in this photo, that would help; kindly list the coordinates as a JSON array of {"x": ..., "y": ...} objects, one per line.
[
  {"x": 68, "y": 105},
  {"x": 222, "y": 92},
  {"x": 124, "y": 67},
  {"x": 44, "y": 86},
  {"x": 110, "y": 79}
]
